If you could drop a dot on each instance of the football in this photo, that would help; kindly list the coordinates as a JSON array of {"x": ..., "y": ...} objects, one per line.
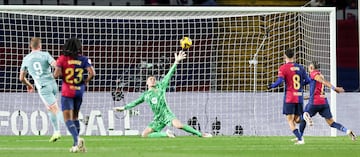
[{"x": 185, "y": 43}]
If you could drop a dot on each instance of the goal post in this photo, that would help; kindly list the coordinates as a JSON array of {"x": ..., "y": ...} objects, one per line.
[{"x": 219, "y": 88}]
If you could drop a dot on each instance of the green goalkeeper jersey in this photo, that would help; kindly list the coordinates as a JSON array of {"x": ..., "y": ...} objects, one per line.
[{"x": 155, "y": 98}]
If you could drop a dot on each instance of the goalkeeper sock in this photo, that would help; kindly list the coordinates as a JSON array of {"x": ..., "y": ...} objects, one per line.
[
  {"x": 72, "y": 129},
  {"x": 297, "y": 134},
  {"x": 157, "y": 134},
  {"x": 189, "y": 129},
  {"x": 302, "y": 127},
  {"x": 339, "y": 127},
  {"x": 77, "y": 125},
  {"x": 54, "y": 121}
]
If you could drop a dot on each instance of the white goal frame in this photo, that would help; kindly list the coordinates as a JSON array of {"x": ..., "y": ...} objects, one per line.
[{"x": 330, "y": 10}]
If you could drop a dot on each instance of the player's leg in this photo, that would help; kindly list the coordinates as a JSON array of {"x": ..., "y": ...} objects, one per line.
[
  {"x": 330, "y": 121},
  {"x": 48, "y": 96},
  {"x": 309, "y": 112},
  {"x": 290, "y": 110},
  {"x": 67, "y": 108},
  {"x": 177, "y": 124},
  {"x": 77, "y": 105},
  {"x": 291, "y": 121},
  {"x": 154, "y": 130}
]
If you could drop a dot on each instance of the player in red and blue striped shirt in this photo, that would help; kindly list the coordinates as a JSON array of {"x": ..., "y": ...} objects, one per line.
[
  {"x": 71, "y": 66},
  {"x": 318, "y": 102},
  {"x": 295, "y": 78}
]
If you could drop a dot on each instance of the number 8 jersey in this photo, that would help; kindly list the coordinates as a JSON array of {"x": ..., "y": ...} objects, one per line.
[
  {"x": 295, "y": 78},
  {"x": 73, "y": 75}
]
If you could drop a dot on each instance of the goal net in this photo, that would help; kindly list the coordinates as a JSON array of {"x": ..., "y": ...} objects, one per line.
[{"x": 220, "y": 88}]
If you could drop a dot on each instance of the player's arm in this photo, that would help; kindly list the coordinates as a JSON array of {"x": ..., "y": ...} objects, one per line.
[
  {"x": 58, "y": 67},
  {"x": 22, "y": 78},
  {"x": 91, "y": 74},
  {"x": 276, "y": 83},
  {"x": 306, "y": 78},
  {"x": 322, "y": 80},
  {"x": 178, "y": 58},
  {"x": 131, "y": 104},
  {"x": 57, "y": 72},
  {"x": 53, "y": 63},
  {"x": 279, "y": 80}
]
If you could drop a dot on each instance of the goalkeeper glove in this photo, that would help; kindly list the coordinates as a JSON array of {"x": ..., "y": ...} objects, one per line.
[
  {"x": 119, "y": 109},
  {"x": 269, "y": 87}
]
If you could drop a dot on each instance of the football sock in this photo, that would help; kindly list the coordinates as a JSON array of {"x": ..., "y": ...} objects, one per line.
[
  {"x": 302, "y": 127},
  {"x": 60, "y": 116},
  {"x": 157, "y": 134},
  {"x": 54, "y": 121},
  {"x": 77, "y": 125},
  {"x": 72, "y": 129},
  {"x": 297, "y": 134},
  {"x": 189, "y": 129},
  {"x": 338, "y": 126}
]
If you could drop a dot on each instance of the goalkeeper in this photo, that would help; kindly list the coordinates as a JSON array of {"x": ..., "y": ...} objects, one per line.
[{"x": 155, "y": 97}]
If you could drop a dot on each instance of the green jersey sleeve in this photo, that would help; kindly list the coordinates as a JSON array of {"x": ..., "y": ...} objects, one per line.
[
  {"x": 136, "y": 102},
  {"x": 166, "y": 80}
]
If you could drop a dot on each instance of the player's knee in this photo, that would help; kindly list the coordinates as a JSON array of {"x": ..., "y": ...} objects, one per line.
[
  {"x": 177, "y": 124},
  {"x": 178, "y": 127}
]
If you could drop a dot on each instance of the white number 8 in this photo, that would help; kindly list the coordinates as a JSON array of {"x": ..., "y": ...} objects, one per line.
[{"x": 37, "y": 67}]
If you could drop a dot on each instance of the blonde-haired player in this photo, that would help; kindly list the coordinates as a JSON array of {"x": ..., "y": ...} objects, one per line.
[{"x": 38, "y": 64}]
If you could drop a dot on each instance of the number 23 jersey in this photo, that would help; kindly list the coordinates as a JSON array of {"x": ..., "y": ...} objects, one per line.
[{"x": 73, "y": 75}]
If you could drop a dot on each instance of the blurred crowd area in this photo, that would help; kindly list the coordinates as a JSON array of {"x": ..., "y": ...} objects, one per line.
[
  {"x": 346, "y": 8},
  {"x": 340, "y": 4}
]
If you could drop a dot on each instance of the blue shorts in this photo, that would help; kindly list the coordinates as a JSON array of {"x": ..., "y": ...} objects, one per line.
[
  {"x": 71, "y": 103},
  {"x": 323, "y": 110},
  {"x": 293, "y": 108}
]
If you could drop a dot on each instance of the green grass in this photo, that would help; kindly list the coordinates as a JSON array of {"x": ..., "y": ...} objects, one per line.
[{"x": 220, "y": 146}]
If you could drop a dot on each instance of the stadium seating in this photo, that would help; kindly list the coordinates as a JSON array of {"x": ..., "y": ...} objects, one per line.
[
  {"x": 348, "y": 54},
  {"x": 262, "y": 2}
]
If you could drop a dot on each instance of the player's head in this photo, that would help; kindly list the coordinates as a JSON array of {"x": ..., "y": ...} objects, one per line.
[
  {"x": 289, "y": 53},
  {"x": 151, "y": 81},
  {"x": 72, "y": 47},
  {"x": 35, "y": 43},
  {"x": 314, "y": 65}
]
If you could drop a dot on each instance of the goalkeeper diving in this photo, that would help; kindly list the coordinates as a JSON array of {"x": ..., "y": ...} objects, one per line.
[{"x": 155, "y": 97}]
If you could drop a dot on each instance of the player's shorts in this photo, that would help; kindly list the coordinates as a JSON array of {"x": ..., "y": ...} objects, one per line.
[
  {"x": 48, "y": 93},
  {"x": 71, "y": 103},
  {"x": 293, "y": 108},
  {"x": 158, "y": 125},
  {"x": 323, "y": 110}
]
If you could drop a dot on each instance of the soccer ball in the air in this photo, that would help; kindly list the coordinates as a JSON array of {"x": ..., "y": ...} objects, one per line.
[{"x": 185, "y": 42}]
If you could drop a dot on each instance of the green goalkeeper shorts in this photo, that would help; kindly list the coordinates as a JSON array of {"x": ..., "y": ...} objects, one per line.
[{"x": 158, "y": 125}]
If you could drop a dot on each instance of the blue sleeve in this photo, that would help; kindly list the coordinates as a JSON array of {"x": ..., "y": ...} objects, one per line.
[
  {"x": 277, "y": 82},
  {"x": 87, "y": 62},
  {"x": 306, "y": 78}
]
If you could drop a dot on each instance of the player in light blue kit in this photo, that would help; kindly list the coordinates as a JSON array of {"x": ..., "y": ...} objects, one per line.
[{"x": 38, "y": 64}]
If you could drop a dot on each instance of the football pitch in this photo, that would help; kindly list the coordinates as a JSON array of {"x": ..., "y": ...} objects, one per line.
[{"x": 185, "y": 146}]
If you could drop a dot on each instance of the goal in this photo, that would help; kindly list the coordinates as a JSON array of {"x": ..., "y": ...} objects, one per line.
[{"x": 220, "y": 88}]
